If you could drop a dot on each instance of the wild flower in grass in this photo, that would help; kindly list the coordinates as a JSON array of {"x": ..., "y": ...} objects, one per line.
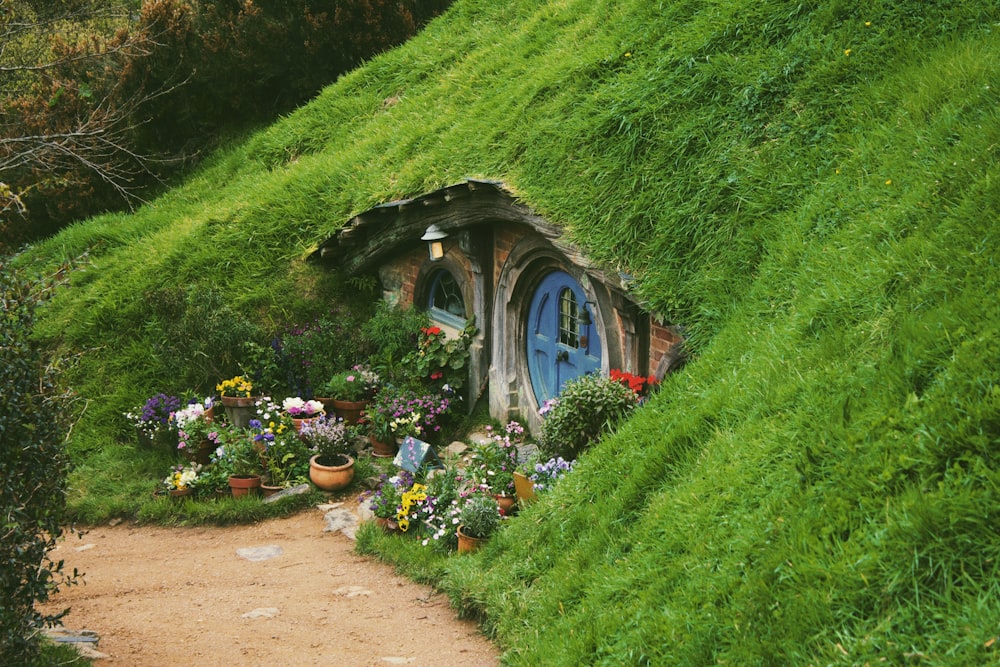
[
  {"x": 546, "y": 474},
  {"x": 154, "y": 415}
]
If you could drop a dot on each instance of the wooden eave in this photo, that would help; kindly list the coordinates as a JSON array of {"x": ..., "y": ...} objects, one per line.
[{"x": 376, "y": 235}]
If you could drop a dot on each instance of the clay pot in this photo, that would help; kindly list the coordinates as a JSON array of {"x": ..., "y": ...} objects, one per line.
[
  {"x": 382, "y": 449},
  {"x": 467, "y": 544},
  {"x": 243, "y": 485},
  {"x": 239, "y": 409},
  {"x": 331, "y": 477}
]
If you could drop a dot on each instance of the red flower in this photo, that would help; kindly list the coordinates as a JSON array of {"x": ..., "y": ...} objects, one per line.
[
  {"x": 431, "y": 331},
  {"x": 437, "y": 375}
]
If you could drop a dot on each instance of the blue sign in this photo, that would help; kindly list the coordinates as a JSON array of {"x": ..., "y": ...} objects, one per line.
[{"x": 413, "y": 453}]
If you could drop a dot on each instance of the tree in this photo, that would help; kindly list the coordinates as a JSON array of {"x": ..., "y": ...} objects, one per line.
[
  {"x": 33, "y": 468},
  {"x": 65, "y": 119}
]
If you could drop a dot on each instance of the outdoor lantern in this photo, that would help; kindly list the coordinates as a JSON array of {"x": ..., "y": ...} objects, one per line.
[{"x": 435, "y": 242}]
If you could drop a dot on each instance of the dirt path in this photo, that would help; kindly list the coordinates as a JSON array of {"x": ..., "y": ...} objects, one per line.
[{"x": 160, "y": 596}]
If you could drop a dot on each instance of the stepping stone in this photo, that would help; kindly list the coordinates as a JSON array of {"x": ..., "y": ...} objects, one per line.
[
  {"x": 284, "y": 493},
  {"x": 343, "y": 520},
  {"x": 255, "y": 554}
]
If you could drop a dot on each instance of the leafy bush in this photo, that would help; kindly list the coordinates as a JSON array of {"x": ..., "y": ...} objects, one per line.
[
  {"x": 33, "y": 468},
  {"x": 390, "y": 334},
  {"x": 587, "y": 408},
  {"x": 480, "y": 515}
]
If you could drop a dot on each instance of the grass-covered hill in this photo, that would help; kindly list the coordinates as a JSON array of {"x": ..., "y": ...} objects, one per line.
[{"x": 811, "y": 189}]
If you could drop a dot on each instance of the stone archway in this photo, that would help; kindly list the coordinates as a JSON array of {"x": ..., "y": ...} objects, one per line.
[{"x": 531, "y": 259}]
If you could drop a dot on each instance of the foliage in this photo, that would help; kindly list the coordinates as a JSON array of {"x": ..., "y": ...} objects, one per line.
[
  {"x": 479, "y": 515},
  {"x": 494, "y": 460},
  {"x": 237, "y": 453},
  {"x": 313, "y": 352},
  {"x": 104, "y": 102},
  {"x": 439, "y": 361},
  {"x": 587, "y": 408},
  {"x": 33, "y": 467},
  {"x": 284, "y": 455},
  {"x": 389, "y": 335},
  {"x": 329, "y": 437},
  {"x": 358, "y": 384}
]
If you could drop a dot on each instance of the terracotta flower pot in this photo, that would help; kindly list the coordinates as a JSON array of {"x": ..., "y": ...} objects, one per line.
[
  {"x": 180, "y": 494},
  {"x": 382, "y": 449},
  {"x": 243, "y": 485},
  {"x": 331, "y": 478},
  {"x": 468, "y": 544},
  {"x": 506, "y": 504},
  {"x": 350, "y": 411}
]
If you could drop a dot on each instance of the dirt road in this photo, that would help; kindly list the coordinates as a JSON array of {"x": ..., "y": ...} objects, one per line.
[{"x": 168, "y": 596}]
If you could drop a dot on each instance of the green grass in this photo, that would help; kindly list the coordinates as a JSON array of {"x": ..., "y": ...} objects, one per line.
[{"x": 810, "y": 189}]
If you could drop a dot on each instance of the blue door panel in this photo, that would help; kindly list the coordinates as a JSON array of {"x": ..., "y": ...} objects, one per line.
[{"x": 557, "y": 354}]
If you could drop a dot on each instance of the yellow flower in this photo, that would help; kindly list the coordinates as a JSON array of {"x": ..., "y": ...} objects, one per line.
[
  {"x": 888, "y": 181},
  {"x": 403, "y": 524},
  {"x": 847, "y": 52},
  {"x": 868, "y": 24}
]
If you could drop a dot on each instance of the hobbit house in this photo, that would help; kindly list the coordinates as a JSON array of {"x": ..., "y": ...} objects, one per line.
[{"x": 545, "y": 313}]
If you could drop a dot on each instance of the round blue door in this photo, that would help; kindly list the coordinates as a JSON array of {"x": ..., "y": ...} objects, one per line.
[{"x": 563, "y": 342}]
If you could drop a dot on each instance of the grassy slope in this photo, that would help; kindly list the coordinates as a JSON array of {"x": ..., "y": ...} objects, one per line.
[{"x": 819, "y": 486}]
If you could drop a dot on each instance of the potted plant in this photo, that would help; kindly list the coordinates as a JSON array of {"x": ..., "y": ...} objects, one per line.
[
  {"x": 237, "y": 398},
  {"x": 331, "y": 467},
  {"x": 385, "y": 499},
  {"x": 197, "y": 432},
  {"x": 439, "y": 361},
  {"x": 478, "y": 518},
  {"x": 397, "y": 413},
  {"x": 588, "y": 407},
  {"x": 151, "y": 420},
  {"x": 534, "y": 477},
  {"x": 241, "y": 459},
  {"x": 302, "y": 411},
  {"x": 494, "y": 462},
  {"x": 283, "y": 454},
  {"x": 350, "y": 392},
  {"x": 182, "y": 479}
]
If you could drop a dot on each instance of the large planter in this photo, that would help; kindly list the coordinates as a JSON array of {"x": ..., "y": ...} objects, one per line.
[
  {"x": 331, "y": 477},
  {"x": 350, "y": 411},
  {"x": 239, "y": 409},
  {"x": 242, "y": 485},
  {"x": 467, "y": 543},
  {"x": 382, "y": 449},
  {"x": 524, "y": 488}
]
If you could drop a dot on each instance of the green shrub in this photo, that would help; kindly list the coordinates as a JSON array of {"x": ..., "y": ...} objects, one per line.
[
  {"x": 33, "y": 467},
  {"x": 479, "y": 516},
  {"x": 587, "y": 408}
]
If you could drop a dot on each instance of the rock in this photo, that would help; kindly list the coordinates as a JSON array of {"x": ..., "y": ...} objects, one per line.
[
  {"x": 478, "y": 438},
  {"x": 84, "y": 641},
  {"x": 352, "y": 591},
  {"x": 262, "y": 612},
  {"x": 255, "y": 554},
  {"x": 342, "y": 520},
  {"x": 455, "y": 449},
  {"x": 396, "y": 661},
  {"x": 284, "y": 493},
  {"x": 85, "y": 547},
  {"x": 525, "y": 452}
]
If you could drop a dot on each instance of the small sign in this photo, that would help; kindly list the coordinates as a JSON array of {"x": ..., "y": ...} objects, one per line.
[{"x": 413, "y": 453}]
